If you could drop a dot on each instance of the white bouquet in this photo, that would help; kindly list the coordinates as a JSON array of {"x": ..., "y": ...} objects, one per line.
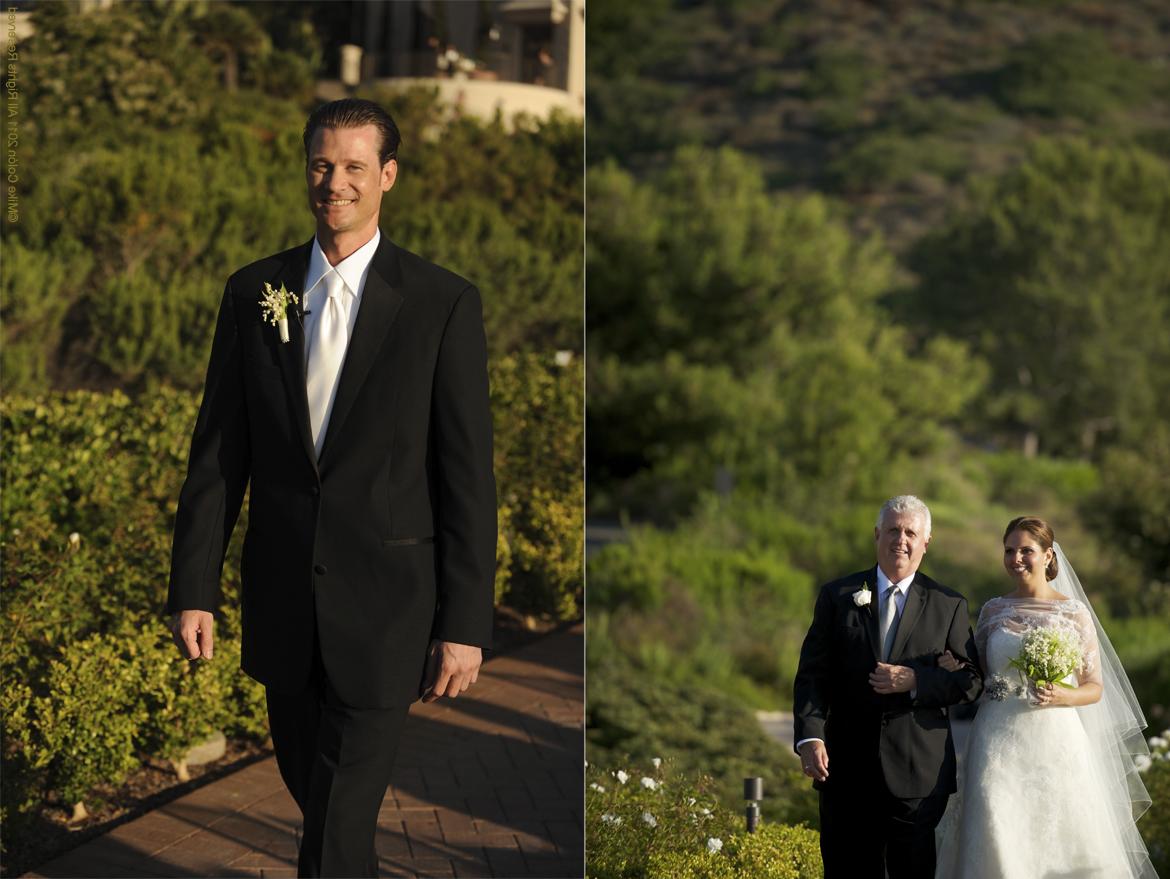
[{"x": 1049, "y": 654}]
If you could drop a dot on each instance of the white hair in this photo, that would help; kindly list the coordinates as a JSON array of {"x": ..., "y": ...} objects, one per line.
[{"x": 905, "y": 503}]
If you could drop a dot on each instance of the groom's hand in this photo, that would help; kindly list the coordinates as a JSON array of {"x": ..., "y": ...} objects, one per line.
[
  {"x": 887, "y": 679},
  {"x": 192, "y": 631},
  {"x": 814, "y": 760},
  {"x": 451, "y": 669}
]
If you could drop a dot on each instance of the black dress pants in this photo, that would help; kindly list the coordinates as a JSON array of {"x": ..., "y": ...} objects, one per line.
[
  {"x": 867, "y": 833},
  {"x": 336, "y": 762}
]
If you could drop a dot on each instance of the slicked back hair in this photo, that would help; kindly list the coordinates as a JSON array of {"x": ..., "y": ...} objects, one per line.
[
  {"x": 355, "y": 113},
  {"x": 908, "y": 504}
]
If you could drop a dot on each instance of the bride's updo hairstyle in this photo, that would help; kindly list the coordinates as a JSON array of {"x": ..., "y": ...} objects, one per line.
[{"x": 1042, "y": 531}]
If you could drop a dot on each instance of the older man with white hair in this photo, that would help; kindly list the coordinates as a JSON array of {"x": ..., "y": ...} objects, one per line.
[{"x": 871, "y": 704}]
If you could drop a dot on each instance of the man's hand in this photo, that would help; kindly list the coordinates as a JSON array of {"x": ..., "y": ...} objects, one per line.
[
  {"x": 192, "y": 631},
  {"x": 947, "y": 661},
  {"x": 814, "y": 760},
  {"x": 886, "y": 679},
  {"x": 451, "y": 669}
]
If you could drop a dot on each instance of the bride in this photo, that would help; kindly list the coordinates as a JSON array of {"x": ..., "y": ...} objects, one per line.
[{"x": 1049, "y": 786}]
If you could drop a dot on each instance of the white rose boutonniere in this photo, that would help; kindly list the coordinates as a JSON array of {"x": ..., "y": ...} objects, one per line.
[
  {"x": 274, "y": 306},
  {"x": 862, "y": 596}
]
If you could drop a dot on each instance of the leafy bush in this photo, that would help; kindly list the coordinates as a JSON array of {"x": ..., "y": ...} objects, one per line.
[
  {"x": 728, "y": 613},
  {"x": 539, "y": 436},
  {"x": 1132, "y": 506},
  {"x": 82, "y": 728},
  {"x": 883, "y": 160},
  {"x": 1074, "y": 73},
  {"x": 774, "y": 851},
  {"x": 654, "y": 824},
  {"x": 1155, "y": 824},
  {"x": 636, "y": 712}
]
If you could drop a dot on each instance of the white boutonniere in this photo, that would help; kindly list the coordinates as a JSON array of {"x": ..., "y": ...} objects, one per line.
[
  {"x": 274, "y": 306},
  {"x": 862, "y": 596}
]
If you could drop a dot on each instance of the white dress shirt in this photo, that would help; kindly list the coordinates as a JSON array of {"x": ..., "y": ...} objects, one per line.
[
  {"x": 353, "y": 270},
  {"x": 902, "y": 587}
]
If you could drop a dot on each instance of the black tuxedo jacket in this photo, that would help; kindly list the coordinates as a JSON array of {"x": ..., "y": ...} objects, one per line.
[
  {"x": 909, "y": 739},
  {"x": 390, "y": 538}
]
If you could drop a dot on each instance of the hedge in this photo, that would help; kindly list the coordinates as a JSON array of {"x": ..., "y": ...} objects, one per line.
[{"x": 647, "y": 822}]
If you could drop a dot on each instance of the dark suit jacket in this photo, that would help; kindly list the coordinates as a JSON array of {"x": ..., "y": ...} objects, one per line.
[
  {"x": 909, "y": 739},
  {"x": 390, "y": 538}
]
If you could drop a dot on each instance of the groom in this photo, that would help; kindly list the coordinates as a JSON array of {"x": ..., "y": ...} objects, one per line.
[
  {"x": 871, "y": 703},
  {"x": 366, "y": 438}
]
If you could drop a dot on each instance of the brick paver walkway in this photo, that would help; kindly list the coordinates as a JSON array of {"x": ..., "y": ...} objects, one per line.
[{"x": 489, "y": 784}]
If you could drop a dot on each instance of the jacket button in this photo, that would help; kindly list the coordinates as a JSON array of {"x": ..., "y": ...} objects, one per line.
[
  {"x": 320, "y": 569},
  {"x": 315, "y": 490}
]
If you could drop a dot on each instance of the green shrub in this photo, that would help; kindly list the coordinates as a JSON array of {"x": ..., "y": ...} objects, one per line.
[
  {"x": 725, "y": 612},
  {"x": 655, "y": 824},
  {"x": 1074, "y": 73},
  {"x": 1155, "y": 824},
  {"x": 885, "y": 160},
  {"x": 82, "y": 729},
  {"x": 840, "y": 74},
  {"x": 539, "y": 439},
  {"x": 1016, "y": 479},
  {"x": 635, "y": 713},
  {"x": 774, "y": 851},
  {"x": 186, "y": 701}
]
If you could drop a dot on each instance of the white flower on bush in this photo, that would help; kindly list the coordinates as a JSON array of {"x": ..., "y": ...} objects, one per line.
[
  {"x": 706, "y": 813},
  {"x": 611, "y": 820},
  {"x": 621, "y": 776},
  {"x": 691, "y": 801},
  {"x": 1157, "y": 742},
  {"x": 649, "y": 819},
  {"x": 649, "y": 783},
  {"x": 597, "y": 787},
  {"x": 74, "y": 540},
  {"x": 714, "y": 846},
  {"x": 657, "y": 761},
  {"x": 1142, "y": 762}
]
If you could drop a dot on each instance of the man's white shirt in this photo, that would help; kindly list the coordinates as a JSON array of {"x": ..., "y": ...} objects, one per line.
[
  {"x": 353, "y": 271},
  {"x": 901, "y": 589}
]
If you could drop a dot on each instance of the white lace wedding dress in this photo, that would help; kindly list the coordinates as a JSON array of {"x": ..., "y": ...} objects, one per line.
[{"x": 1033, "y": 803}]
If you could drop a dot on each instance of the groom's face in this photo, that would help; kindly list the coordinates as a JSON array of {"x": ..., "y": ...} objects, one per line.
[
  {"x": 345, "y": 180},
  {"x": 901, "y": 542}
]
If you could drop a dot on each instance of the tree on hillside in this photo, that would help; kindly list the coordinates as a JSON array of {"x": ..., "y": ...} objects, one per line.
[
  {"x": 1058, "y": 274},
  {"x": 734, "y": 338}
]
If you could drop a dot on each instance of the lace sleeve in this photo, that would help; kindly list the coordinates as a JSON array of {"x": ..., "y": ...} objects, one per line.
[
  {"x": 983, "y": 631},
  {"x": 1090, "y": 670}
]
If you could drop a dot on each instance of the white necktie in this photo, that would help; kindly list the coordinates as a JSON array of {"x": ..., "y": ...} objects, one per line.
[
  {"x": 326, "y": 354},
  {"x": 889, "y": 622}
]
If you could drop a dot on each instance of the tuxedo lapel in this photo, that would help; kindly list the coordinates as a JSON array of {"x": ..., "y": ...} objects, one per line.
[
  {"x": 871, "y": 617},
  {"x": 292, "y": 353},
  {"x": 911, "y": 611},
  {"x": 380, "y": 302}
]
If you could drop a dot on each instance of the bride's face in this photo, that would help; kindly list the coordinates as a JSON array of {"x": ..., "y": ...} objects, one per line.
[{"x": 1024, "y": 559}]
